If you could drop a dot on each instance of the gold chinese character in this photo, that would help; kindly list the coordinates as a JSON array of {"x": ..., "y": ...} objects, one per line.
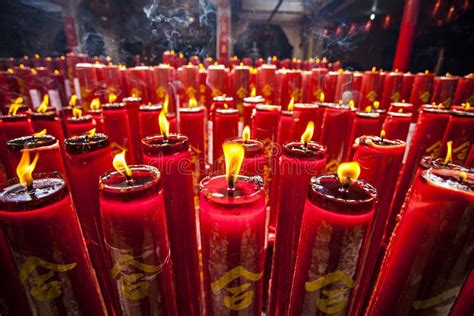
[
  {"x": 396, "y": 97},
  {"x": 240, "y": 296},
  {"x": 434, "y": 301},
  {"x": 336, "y": 300},
  {"x": 202, "y": 88},
  {"x": 161, "y": 92},
  {"x": 241, "y": 92},
  {"x": 191, "y": 92},
  {"x": 371, "y": 96},
  {"x": 134, "y": 286},
  {"x": 317, "y": 93},
  {"x": 296, "y": 94},
  {"x": 434, "y": 149},
  {"x": 267, "y": 90},
  {"x": 41, "y": 290},
  {"x": 461, "y": 151},
  {"x": 425, "y": 97}
]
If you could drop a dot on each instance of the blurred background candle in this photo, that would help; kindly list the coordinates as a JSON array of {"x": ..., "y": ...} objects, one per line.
[
  {"x": 464, "y": 90},
  {"x": 421, "y": 91},
  {"x": 189, "y": 77},
  {"x": 290, "y": 87},
  {"x": 117, "y": 129},
  {"x": 162, "y": 77},
  {"x": 460, "y": 130},
  {"x": 402, "y": 107},
  {"x": 137, "y": 80},
  {"x": 265, "y": 120},
  {"x": 47, "y": 118},
  {"x": 148, "y": 120},
  {"x": 248, "y": 106},
  {"x": 343, "y": 90},
  {"x": 428, "y": 257},
  {"x": 225, "y": 126},
  {"x": 407, "y": 85},
  {"x": 132, "y": 105},
  {"x": 443, "y": 90},
  {"x": 330, "y": 85},
  {"x": 285, "y": 131},
  {"x": 392, "y": 89},
  {"x": 217, "y": 80},
  {"x": 240, "y": 84},
  {"x": 336, "y": 221},
  {"x": 96, "y": 112},
  {"x": 233, "y": 232},
  {"x": 316, "y": 86},
  {"x": 87, "y": 82},
  {"x": 53, "y": 265},
  {"x": 397, "y": 124},
  {"x": 79, "y": 124},
  {"x": 218, "y": 102},
  {"x": 369, "y": 91},
  {"x": 302, "y": 114},
  {"x": 267, "y": 83},
  {"x": 365, "y": 123},
  {"x": 298, "y": 163},
  {"x": 109, "y": 82},
  {"x": 170, "y": 153},
  {"x": 135, "y": 231}
]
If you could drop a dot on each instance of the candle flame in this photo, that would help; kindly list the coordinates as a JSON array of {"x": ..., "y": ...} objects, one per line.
[
  {"x": 56, "y": 72},
  {"x": 226, "y": 106},
  {"x": 246, "y": 133},
  {"x": 166, "y": 103},
  {"x": 253, "y": 93},
  {"x": 352, "y": 104},
  {"x": 76, "y": 112},
  {"x": 33, "y": 71},
  {"x": 95, "y": 104},
  {"x": 449, "y": 153},
  {"x": 291, "y": 104},
  {"x": 120, "y": 164},
  {"x": 467, "y": 106},
  {"x": 40, "y": 133},
  {"x": 90, "y": 133},
  {"x": 73, "y": 100},
  {"x": 321, "y": 97},
  {"x": 25, "y": 168},
  {"x": 400, "y": 110},
  {"x": 112, "y": 97},
  {"x": 192, "y": 102},
  {"x": 348, "y": 172},
  {"x": 10, "y": 70},
  {"x": 427, "y": 71},
  {"x": 308, "y": 133},
  {"x": 14, "y": 108},
  {"x": 368, "y": 109},
  {"x": 37, "y": 56},
  {"x": 463, "y": 175},
  {"x": 234, "y": 155},
  {"x": 374, "y": 68},
  {"x": 164, "y": 124},
  {"x": 382, "y": 134},
  {"x": 376, "y": 104}
]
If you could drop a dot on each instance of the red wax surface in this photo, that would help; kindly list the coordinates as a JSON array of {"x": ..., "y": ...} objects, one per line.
[
  {"x": 116, "y": 127},
  {"x": 464, "y": 90},
  {"x": 233, "y": 233},
  {"x": 464, "y": 304},
  {"x": 335, "y": 132},
  {"x": 188, "y": 76},
  {"x": 330, "y": 86},
  {"x": 148, "y": 120},
  {"x": 285, "y": 128},
  {"x": 172, "y": 157},
  {"x": 380, "y": 162},
  {"x": 162, "y": 77},
  {"x": 443, "y": 90},
  {"x": 225, "y": 126},
  {"x": 132, "y": 105},
  {"x": 248, "y": 107},
  {"x": 50, "y": 122},
  {"x": 392, "y": 89},
  {"x": 136, "y": 237},
  {"x": 265, "y": 122},
  {"x": 16, "y": 126},
  {"x": 429, "y": 255},
  {"x": 396, "y": 125},
  {"x": 302, "y": 114},
  {"x": 407, "y": 85},
  {"x": 426, "y": 140},
  {"x": 33, "y": 225},
  {"x": 217, "y": 80},
  {"x": 460, "y": 130},
  {"x": 297, "y": 165},
  {"x": 79, "y": 125},
  {"x": 239, "y": 84},
  {"x": 267, "y": 83},
  {"x": 316, "y": 85},
  {"x": 370, "y": 89},
  {"x": 364, "y": 124},
  {"x": 421, "y": 91},
  {"x": 331, "y": 245}
]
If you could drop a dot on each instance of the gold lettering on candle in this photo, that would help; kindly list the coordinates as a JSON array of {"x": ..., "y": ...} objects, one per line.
[
  {"x": 436, "y": 300},
  {"x": 267, "y": 90},
  {"x": 336, "y": 300},
  {"x": 296, "y": 94},
  {"x": 434, "y": 149},
  {"x": 241, "y": 92},
  {"x": 216, "y": 92},
  {"x": 317, "y": 94},
  {"x": 460, "y": 152},
  {"x": 161, "y": 92},
  {"x": 425, "y": 96},
  {"x": 240, "y": 296},
  {"x": 395, "y": 97},
  {"x": 134, "y": 286},
  {"x": 41, "y": 289},
  {"x": 371, "y": 96},
  {"x": 190, "y": 92}
]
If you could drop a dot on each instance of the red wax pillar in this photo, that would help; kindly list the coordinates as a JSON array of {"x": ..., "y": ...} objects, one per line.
[
  {"x": 335, "y": 223},
  {"x": 407, "y": 85},
  {"x": 406, "y": 36},
  {"x": 116, "y": 127},
  {"x": 267, "y": 83},
  {"x": 148, "y": 120},
  {"x": 343, "y": 90},
  {"x": 189, "y": 77},
  {"x": 302, "y": 114},
  {"x": 248, "y": 107},
  {"x": 137, "y": 81},
  {"x": 78, "y": 125},
  {"x": 370, "y": 88},
  {"x": 88, "y": 82},
  {"x": 443, "y": 90},
  {"x": 290, "y": 87},
  {"x": 464, "y": 90},
  {"x": 401, "y": 107},
  {"x": 225, "y": 126},
  {"x": 162, "y": 77},
  {"x": 392, "y": 89},
  {"x": 330, "y": 86},
  {"x": 286, "y": 130},
  {"x": 460, "y": 130},
  {"x": 110, "y": 83},
  {"x": 239, "y": 87},
  {"x": 364, "y": 124},
  {"x": 254, "y": 159},
  {"x": 132, "y": 105},
  {"x": 217, "y": 80},
  {"x": 421, "y": 91},
  {"x": 396, "y": 125}
]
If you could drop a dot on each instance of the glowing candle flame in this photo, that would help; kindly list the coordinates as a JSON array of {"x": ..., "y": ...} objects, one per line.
[
  {"x": 382, "y": 134},
  {"x": 368, "y": 109},
  {"x": 374, "y": 68},
  {"x": 226, "y": 106},
  {"x": 10, "y": 70},
  {"x": 449, "y": 153},
  {"x": 400, "y": 110},
  {"x": 308, "y": 133},
  {"x": 348, "y": 172},
  {"x": 25, "y": 168},
  {"x": 41, "y": 133},
  {"x": 95, "y": 104},
  {"x": 376, "y": 104},
  {"x": 321, "y": 97},
  {"x": 246, "y": 133},
  {"x": 56, "y": 72},
  {"x": 463, "y": 175},
  {"x": 76, "y": 112},
  {"x": 164, "y": 124},
  {"x": 291, "y": 104},
  {"x": 352, "y": 104},
  {"x": 192, "y": 102},
  {"x": 233, "y": 155},
  {"x": 73, "y": 100},
  {"x": 14, "y": 108},
  {"x": 253, "y": 93},
  {"x": 112, "y": 97},
  {"x": 120, "y": 164},
  {"x": 90, "y": 133},
  {"x": 33, "y": 71},
  {"x": 467, "y": 106}
]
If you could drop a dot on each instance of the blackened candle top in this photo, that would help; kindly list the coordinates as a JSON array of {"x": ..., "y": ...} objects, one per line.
[
  {"x": 450, "y": 178},
  {"x": 246, "y": 190},
  {"x": 43, "y": 116},
  {"x": 150, "y": 107},
  {"x": 329, "y": 193},
  {"x": 113, "y": 106},
  {"x": 15, "y": 118},
  {"x": 227, "y": 111},
  {"x": 194, "y": 109},
  {"x": 132, "y": 99},
  {"x": 47, "y": 189},
  {"x": 301, "y": 150},
  {"x": 80, "y": 119},
  {"x": 83, "y": 143},
  {"x": 29, "y": 142},
  {"x": 158, "y": 144},
  {"x": 431, "y": 162},
  {"x": 144, "y": 181}
]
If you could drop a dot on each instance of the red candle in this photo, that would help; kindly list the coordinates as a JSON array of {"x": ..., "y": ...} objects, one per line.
[
  {"x": 407, "y": 85},
  {"x": 254, "y": 160},
  {"x": 171, "y": 155},
  {"x": 189, "y": 77},
  {"x": 233, "y": 233},
  {"x": 205, "y": 95},
  {"x": 79, "y": 124},
  {"x": 392, "y": 89},
  {"x": 343, "y": 90},
  {"x": 109, "y": 82},
  {"x": 421, "y": 90},
  {"x": 335, "y": 132},
  {"x": 336, "y": 221},
  {"x": 135, "y": 231},
  {"x": 286, "y": 128},
  {"x": 15, "y": 126},
  {"x": 464, "y": 304},
  {"x": 267, "y": 83},
  {"x": 115, "y": 115},
  {"x": 460, "y": 130},
  {"x": 193, "y": 122},
  {"x": 356, "y": 85},
  {"x": 401, "y": 107},
  {"x": 396, "y": 125},
  {"x": 330, "y": 86},
  {"x": 265, "y": 120},
  {"x": 148, "y": 120},
  {"x": 369, "y": 91},
  {"x": 365, "y": 123},
  {"x": 302, "y": 114},
  {"x": 426, "y": 266},
  {"x": 298, "y": 163},
  {"x": 137, "y": 80},
  {"x": 87, "y": 81},
  {"x": 380, "y": 161},
  {"x": 464, "y": 90},
  {"x": 218, "y": 102},
  {"x": 167, "y": 57},
  {"x": 225, "y": 126},
  {"x": 443, "y": 90},
  {"x": 248, "y": 107},
  {"x": 52, "y": 263},
  {"x": 132, "y": 105},
  {"x": 470, "y": 158},
  {"x": 217, "y": 80},
  {"x": 162, "y": 77},
  {"x": 290, "y": 87}
]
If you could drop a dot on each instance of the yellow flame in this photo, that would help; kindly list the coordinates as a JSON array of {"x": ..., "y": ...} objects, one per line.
[
  {"x": 41, "y": 133},
  {"x": 112, "y": 97},
  {"x": 22, "y": 66},
  {"x": 76, "y": 112},
  {"x": 321, "y": 97},
  {"x": 449, "y": 153},
  {"x": 120, "y": 164},
  {"x": 226, "y": 106},
  {"x": 192, "y": 102},
  {"x": 14, "y": 108},
  {"x": 253, "y": 93},
  {"x": 348, "y": 172},
  {"x": 37, "y": 56},
  {"x": 352, "y": 103},
  {"x": 374, "y": 68},
  {"x": 10, "y": 70},
  {"x": 427, "y": 71},
  {"x": 246, "y": 133},
  {"x": 233, "y": 156},
  {"x": 181, "y": 55},
  {"x": 382, "y": 134},
  {"x": 376, "y": 104},
  {"x": 90, "y": 133},
  {"x": 325, "y": 59},
  {"x": 25, "y": 168},
  {"x": 241, "y": 64},
  {"x": 56, "y": 72},
  {"x": 95, "y": 104},
  {"x": 308, "y": 133},
  {"x": 368, "y": 109},
  {"x": 400, "y": 110},
  {"x": 73, "y": 100},
  {"x": 467, "y": 106},
  {"x": 164, "y": 124},
  {"x": 33, "y": 71},
  {"x": 463, "y": 175},
  {"x": 291, "y": 104}
]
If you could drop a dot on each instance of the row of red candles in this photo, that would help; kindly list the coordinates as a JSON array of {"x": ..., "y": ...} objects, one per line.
[{"x": 435, "y": 126}]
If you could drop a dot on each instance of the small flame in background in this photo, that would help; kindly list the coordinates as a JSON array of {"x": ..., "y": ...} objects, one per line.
[
  {"x": 73, "y": 100},
  {"x": 40, "y": 133},
  {"x": 112, "y": 97},
  {"x": 91, "y": 133},
  {"x": 76, "y": 112},
  {"x": 44, "y": 104},
  {"x": 95, "y": 104}
]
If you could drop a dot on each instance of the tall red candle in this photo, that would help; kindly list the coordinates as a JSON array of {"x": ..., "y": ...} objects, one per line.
[
  {"x": 148, "y": 120},
  {"x": 53, "y": 264},
  {"x": 369, "y": 91},
  {"x": 137, "y": 80},
  {"x": 248, "y": 107},
  {"x": 316, "y": 85},
  {"x": 421, "y": 91},
  {"x": 464, "y": 90},
  {"x": 365, "y": 123},
  {"x": 48, "y": 120},
  {"x": 265, "y": 122},
  {"x": 286, "y": 130},
  {"x": 189, "y": 77},
  {"x": 330, "y": 85},
  {"x": 135, "y": 231},
  {"x": 220, "y": 102},
  {"x": 407, "y": 85},
  {"x": 298, "y": 163},
  {"x": 88, "y": 82},
  {"x": 225, "y": 126},
  {"x": 336, "y": 222},
  {"x": 392, "y": 89},
  {"x": 443, "y": 90},
  {"x": 302, "y": 114},
  {"x": 426, "y": 266},
  {"x": 116, "y": 127},
  {"x": 15, "y": 126},
  {"x": 233, "y": 233},
  {"x": 79, "y": 124},
  {"x": 132, "y": 105},
  {"x": 254, "y": 160},
  {"x": 267, "y": 83},
  {"x": 290, "y": 87},
  {"x": 217, "y": 80},
  {"x": 460, "y": 130},
  {"x": 162, "y": 76},
  {"x": 109, "y": 82},
  {"x": 396, "y": 125},
  {"x": 356, "y": 86},
  {"x": 343, "y": 90},
  {"x": 170, "y": 154}
]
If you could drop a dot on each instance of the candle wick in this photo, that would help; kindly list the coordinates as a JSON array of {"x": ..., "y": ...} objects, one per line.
[
  {"x": 129, "y": 180},
  {"x": 231, "y": 186},
  {"x": 345, "y": 186}
]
